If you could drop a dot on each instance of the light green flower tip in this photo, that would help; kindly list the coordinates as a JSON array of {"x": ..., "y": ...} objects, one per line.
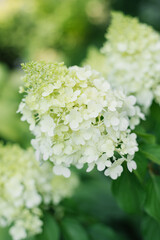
[{"x": 128, "y": 35}]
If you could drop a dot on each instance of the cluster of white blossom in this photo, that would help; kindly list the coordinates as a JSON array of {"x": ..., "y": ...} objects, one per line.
[
  {"x": 77, "y": 118},
  {"x": 132, "y": 53},
  {"x": 24, "y": 186}
]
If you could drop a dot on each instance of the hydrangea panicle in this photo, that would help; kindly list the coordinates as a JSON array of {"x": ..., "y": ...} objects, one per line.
[
  {"x": 77, "y": 118},
  {"x": 132, "y": 60},
  {"x": 24, "y": 187}
]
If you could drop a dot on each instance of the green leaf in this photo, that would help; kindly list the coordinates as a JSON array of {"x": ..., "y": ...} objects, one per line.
[
  {"x": 102, "y": 232},
  {"x": 128, "y": 191},
  {"x": 4, "y": 234},
  {"x": 142, "y": 164},
  {"x": 146, "y": 137},
  {"x": 92, "y": 197},
  {"x": 152, "y": 202},
  {"x": 72, "y": 229},
  {"x": 151, "y": 151},
  {"x": 50, "y": 229},
  {"x": 31, "y": 238},
  {"x": 152, "y": 121},
  {"x": 150, "y": 229}
]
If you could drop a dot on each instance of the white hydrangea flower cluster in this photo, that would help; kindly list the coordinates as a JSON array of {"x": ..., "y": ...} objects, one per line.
[
  {"x": 132, "y": 61},
  {"x": 77, "y": 118},
  {"x": 24, "y": 186}
]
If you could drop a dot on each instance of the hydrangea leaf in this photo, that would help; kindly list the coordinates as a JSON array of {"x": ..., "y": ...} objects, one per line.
[
  {"x": 152, "y": 201},
  {"x": 128, "y": 192},
  {"x": 142, "y": 163},
  {"x": 50, "y": 229},
  {"x": 146, "y": 137},
  {"x": 72, "y": 230},
  {"x": 151, "y": 151},
  {"x": 102, "y": 232},
  {"x": 150, "y": 228}
]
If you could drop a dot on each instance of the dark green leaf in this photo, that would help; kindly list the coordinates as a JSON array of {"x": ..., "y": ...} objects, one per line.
[
  {"x": 151, "y": 151},
  {"x": 128, "y": 192},
  {"x": 31, "y": 238},
  {"x": 92, "y": 197},
  {"x": 150, "y": 229},
  {"x": 152, "y": 121},
  {"x": 102, "y": 232},
  {"x": 142, "y": 163},
  {"x": 73, "y": 230},
  {"x": 50, "y": 229},
  {"x": 146, "y": 137},
  {"x": 152, "y": 202}
]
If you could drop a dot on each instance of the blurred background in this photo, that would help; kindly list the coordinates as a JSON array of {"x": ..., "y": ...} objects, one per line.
[
  {"x": 52, "y": 30},
  {"x": 62, "y": 30}
]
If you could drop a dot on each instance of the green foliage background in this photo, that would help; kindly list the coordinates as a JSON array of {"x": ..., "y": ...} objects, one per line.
[{"x": 63, "y": 30}]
